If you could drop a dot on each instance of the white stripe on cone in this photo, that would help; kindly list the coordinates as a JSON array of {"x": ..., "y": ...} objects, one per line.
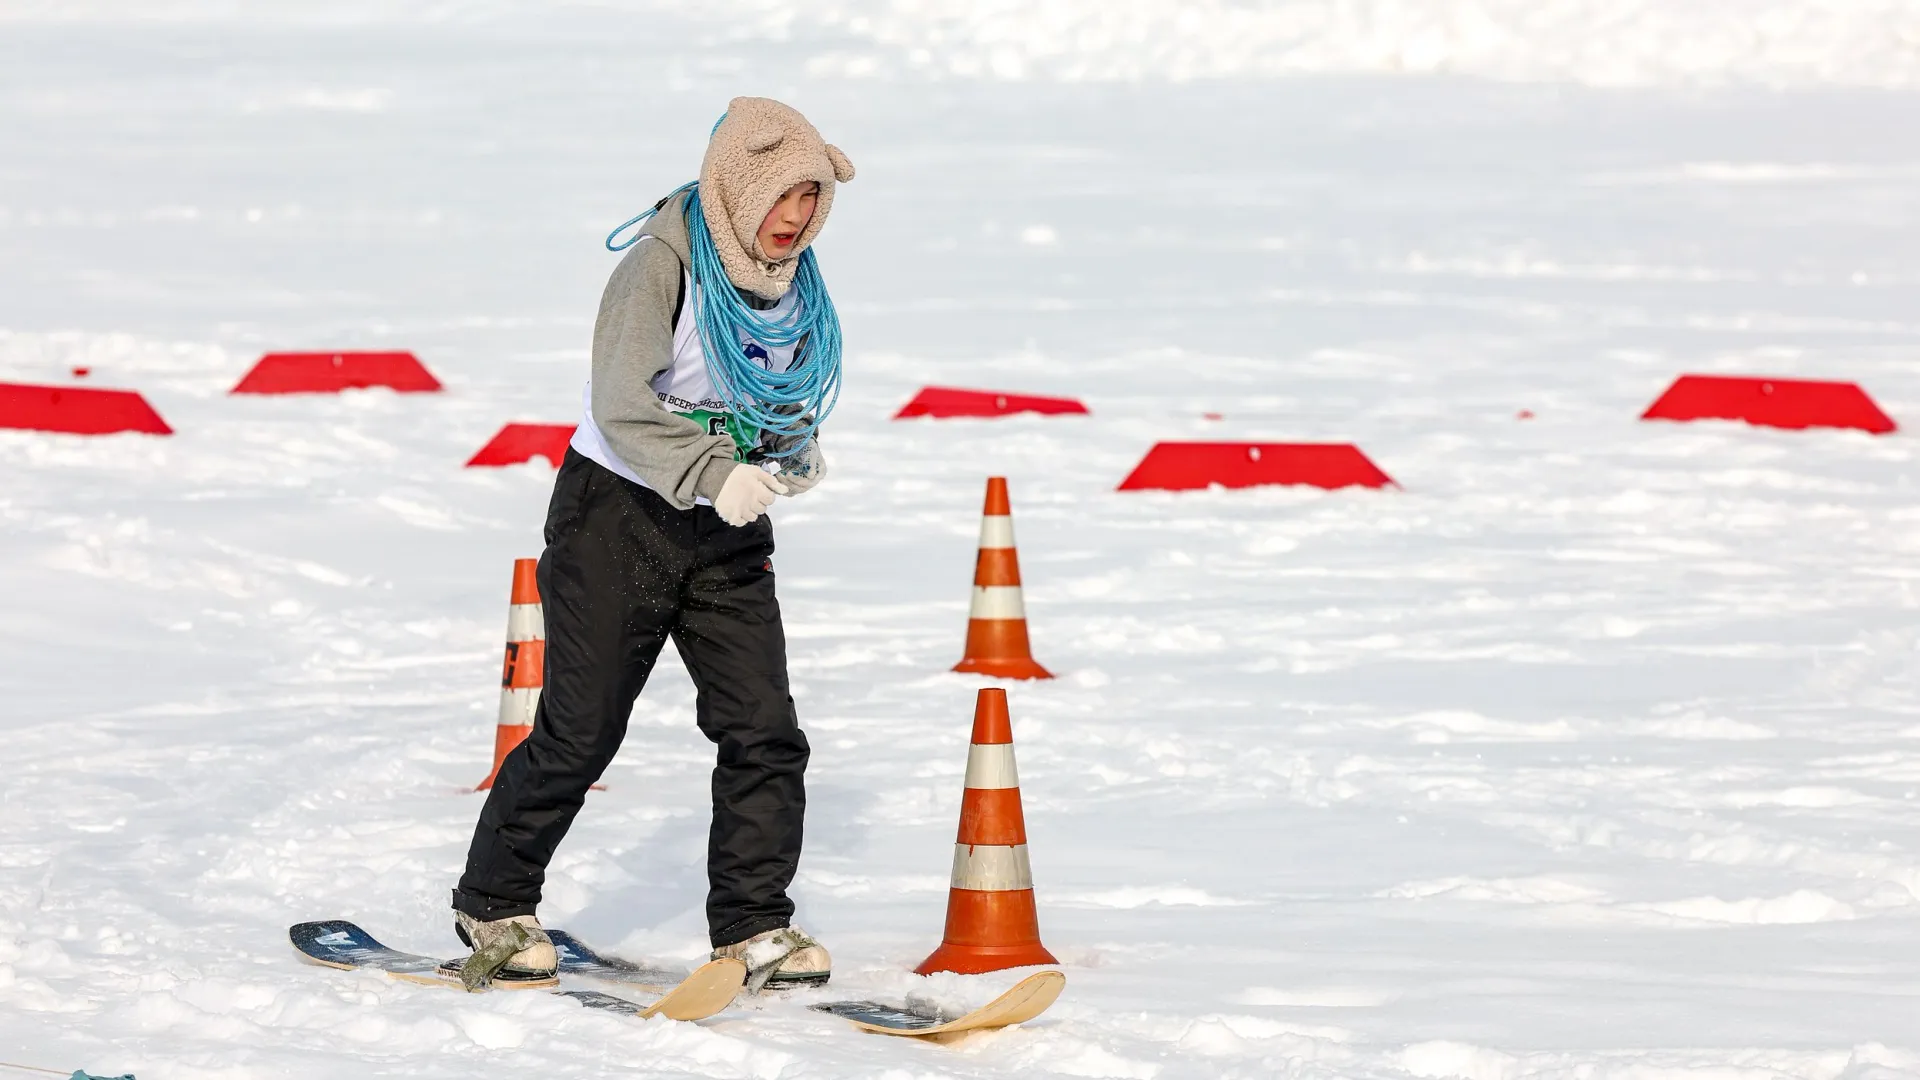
[
  {"x": 991, "y": 869},
  {"x": 997, "y": 602},
  {"x": 517, "y": 705},
  {"x": 996, "y": 531},
  {"x": 991, "y": 765},
  {"x": 526, "y": 622}
]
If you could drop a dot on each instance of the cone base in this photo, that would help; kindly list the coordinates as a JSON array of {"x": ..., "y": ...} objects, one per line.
[
  {"x": 979, "y": 959},
  {"x": 1025, "y": 668},
  {"x": 988, "y": 930}
]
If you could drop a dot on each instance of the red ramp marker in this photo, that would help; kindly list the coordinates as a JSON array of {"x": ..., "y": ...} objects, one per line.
[
  {"x": 1780, "y": 403},
  {"x": 519, "y": 443},
  {"x": 1185, "y": 466},
  {"x": 332, "y": 372},
  {"x": 77, "y": 412},
  {"x": 942, "y": 402}
]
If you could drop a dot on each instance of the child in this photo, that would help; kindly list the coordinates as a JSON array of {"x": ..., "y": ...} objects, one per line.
[{"x": 715, "y": 356}]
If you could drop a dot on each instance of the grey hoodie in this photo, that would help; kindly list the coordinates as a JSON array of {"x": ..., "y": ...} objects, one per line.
[{"x": 632, "y": 343}]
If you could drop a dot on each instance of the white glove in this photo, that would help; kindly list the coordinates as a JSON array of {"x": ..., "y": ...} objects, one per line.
[
  {"x": 748, "y": 492},
  {"x": 804, "y": 469}
]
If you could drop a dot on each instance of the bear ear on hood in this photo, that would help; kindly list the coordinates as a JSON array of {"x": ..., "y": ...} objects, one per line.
[
  {"x": 765, "y": 135},
  {"x": 842, "y": 168}
]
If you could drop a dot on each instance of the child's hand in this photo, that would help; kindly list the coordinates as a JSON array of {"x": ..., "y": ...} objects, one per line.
[
  {"x": 748, "y": 492},
  {"x": 804, "y": 469}
]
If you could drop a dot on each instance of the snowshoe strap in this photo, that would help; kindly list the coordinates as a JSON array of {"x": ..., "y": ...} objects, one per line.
[
  {"x": 487, "y": 961},
  {"x": 789, "y": 941}
]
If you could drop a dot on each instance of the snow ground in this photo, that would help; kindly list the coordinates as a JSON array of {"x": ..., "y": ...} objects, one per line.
[{"x": 1593, "y": 752}]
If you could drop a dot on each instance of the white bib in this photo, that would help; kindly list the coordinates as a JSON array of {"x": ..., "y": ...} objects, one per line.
[{"x": 685, "y": 389}]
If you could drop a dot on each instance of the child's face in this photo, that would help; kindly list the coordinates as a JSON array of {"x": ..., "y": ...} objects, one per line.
[{"x": 788, "y": 219}]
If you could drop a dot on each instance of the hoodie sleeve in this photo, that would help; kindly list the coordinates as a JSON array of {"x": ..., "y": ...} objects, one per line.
[{"x": 633, "y": 343}]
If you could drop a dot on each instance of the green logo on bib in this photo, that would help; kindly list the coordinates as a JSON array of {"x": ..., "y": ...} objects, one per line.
[{"x": 718, "y": 423}]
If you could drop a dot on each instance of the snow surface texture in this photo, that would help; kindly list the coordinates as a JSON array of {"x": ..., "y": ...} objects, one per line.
[
  {"x": 1614, "y": 42},
  {"x": 1592, "y": 752},
  {"x": 1600, "y": 42}
]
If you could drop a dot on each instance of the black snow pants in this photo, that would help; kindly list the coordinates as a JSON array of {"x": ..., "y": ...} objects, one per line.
[{"x": 622, "y": 572}]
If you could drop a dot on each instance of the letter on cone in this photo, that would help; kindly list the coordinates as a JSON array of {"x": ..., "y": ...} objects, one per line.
[
  {"x": 525, "y": 671},
  {"x": 997, "y": 625},
  {"x": 991, "y": 920}
]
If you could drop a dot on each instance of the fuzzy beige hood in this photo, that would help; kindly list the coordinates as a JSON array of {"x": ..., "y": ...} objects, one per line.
[{"x": 761, "y": 149}]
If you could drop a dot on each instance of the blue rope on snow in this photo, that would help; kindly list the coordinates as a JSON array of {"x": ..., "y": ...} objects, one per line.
[{"x": 790, "y": 404}]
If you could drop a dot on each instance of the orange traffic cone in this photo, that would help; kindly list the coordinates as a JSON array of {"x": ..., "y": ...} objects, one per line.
[
  {"x": 997, "y": 624},
  {"x": 525, "y": 671},
  {"x": 991, "y": 920}
]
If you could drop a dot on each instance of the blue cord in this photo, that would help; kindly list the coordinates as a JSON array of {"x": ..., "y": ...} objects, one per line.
[
  {"x": 791, "y": 404},
  {"x": 645, "y": 214}
]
